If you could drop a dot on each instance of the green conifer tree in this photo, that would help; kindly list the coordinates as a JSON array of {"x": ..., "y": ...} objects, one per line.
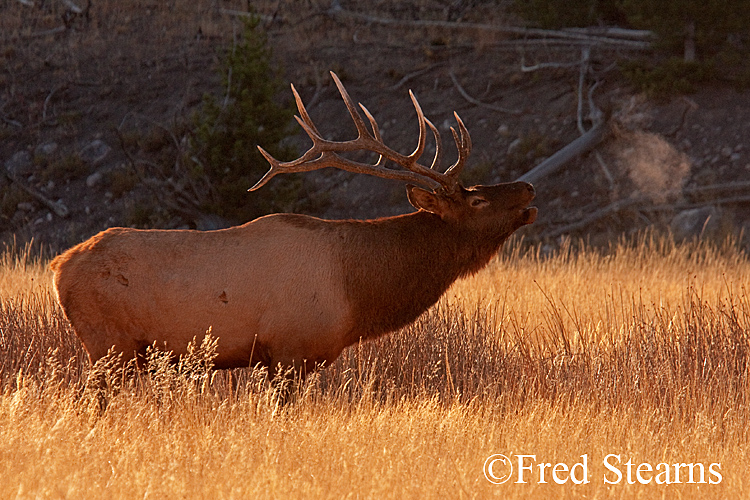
[{"x": 230, "y": 127}]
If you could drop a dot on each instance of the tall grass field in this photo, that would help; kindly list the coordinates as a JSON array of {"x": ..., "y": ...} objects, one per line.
[{"x": 583, "y": 373}]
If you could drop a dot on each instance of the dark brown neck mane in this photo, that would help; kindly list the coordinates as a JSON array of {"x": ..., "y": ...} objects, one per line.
[{"x": 397, "y": 267}]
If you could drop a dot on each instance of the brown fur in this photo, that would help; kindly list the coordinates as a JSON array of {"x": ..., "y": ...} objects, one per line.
[{"x": 285, "y": 288}]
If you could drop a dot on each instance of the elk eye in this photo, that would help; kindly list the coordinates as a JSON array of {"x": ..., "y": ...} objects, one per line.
[{"x": 478, "y": 202}]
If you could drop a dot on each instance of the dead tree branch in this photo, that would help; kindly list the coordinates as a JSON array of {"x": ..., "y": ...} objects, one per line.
[
  {"x": 57, "y": 207},
  {"x": 582, "y": 72},
  {"x": 551, "y": 65},
  {"x": 479, "y": 103},
  {"x": 47, "y": 101},
  {"x": 588, "y": 139},
  {"x": 318, "y": 89},
  {"x": 610, "y": 209},
  {"x": 635, "y": 39},
  {"x": 414, "y": 75},
  {"x": 163, "y": 186},
  {"x": 242, "y": 13}
]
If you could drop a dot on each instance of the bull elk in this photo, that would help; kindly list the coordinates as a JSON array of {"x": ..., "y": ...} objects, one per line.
[{"x": 292, "y": 289}]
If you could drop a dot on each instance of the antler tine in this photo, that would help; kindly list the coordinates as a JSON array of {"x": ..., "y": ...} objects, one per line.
[
  {"x": 465, "y": 136},
  {"x": 438, "y": 146},
  {"x": 422, "y": 129},
  {"x": 303, "y": 111},
  {"x": 271, "y": 172},
  {"x": 463, "y": 144},
  {"x": 356, "y": 117},
  {"x": 373, "y": 123},
  {"x": 375, "y": 128}
]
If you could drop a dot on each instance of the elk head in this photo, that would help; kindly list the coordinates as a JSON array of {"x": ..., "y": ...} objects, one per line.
[{"x": 491, "y": 211}]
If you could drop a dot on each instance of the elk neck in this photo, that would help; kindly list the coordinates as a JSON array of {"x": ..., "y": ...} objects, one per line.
[{"x": 395, "y": 268}]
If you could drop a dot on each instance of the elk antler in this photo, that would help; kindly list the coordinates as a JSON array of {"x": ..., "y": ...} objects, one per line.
[{"x": 323, "y": 152}]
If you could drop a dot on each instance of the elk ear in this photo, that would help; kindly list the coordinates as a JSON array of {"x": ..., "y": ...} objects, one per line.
[{"x": 425, "y": 200}]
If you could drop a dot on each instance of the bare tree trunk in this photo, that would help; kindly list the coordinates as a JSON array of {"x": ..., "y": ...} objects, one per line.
[{"x": 690, "y": 41}]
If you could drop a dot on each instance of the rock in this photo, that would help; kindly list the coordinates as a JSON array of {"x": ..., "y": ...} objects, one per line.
[
  {"x": 726, "y": 151},
  {"x": 25, "y": 206},
  {"x": 45, "y": 149},
  {"x": 503, "y": 130},
  {"x": 514, "y": 146},
  {"x": 19, "y": 164},
  {"x": 60, "y": 209},
  {"x": 703, "y": 222},
  {"x": 94, "y": 179},
  {"x": 95, "y": 152}
]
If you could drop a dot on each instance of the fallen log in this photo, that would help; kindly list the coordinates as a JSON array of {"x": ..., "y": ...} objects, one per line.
[
  {"x": 581, "y": 145},
  {"x": 635, "y": 39},
  {"x": 725, "y": 194}
]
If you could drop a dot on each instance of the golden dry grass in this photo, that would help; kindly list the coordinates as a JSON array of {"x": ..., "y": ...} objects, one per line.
[{"x": 640, "y": 351}]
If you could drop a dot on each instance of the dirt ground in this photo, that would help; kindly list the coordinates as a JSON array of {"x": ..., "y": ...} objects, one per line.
[{"x": 69, "y": 82}]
